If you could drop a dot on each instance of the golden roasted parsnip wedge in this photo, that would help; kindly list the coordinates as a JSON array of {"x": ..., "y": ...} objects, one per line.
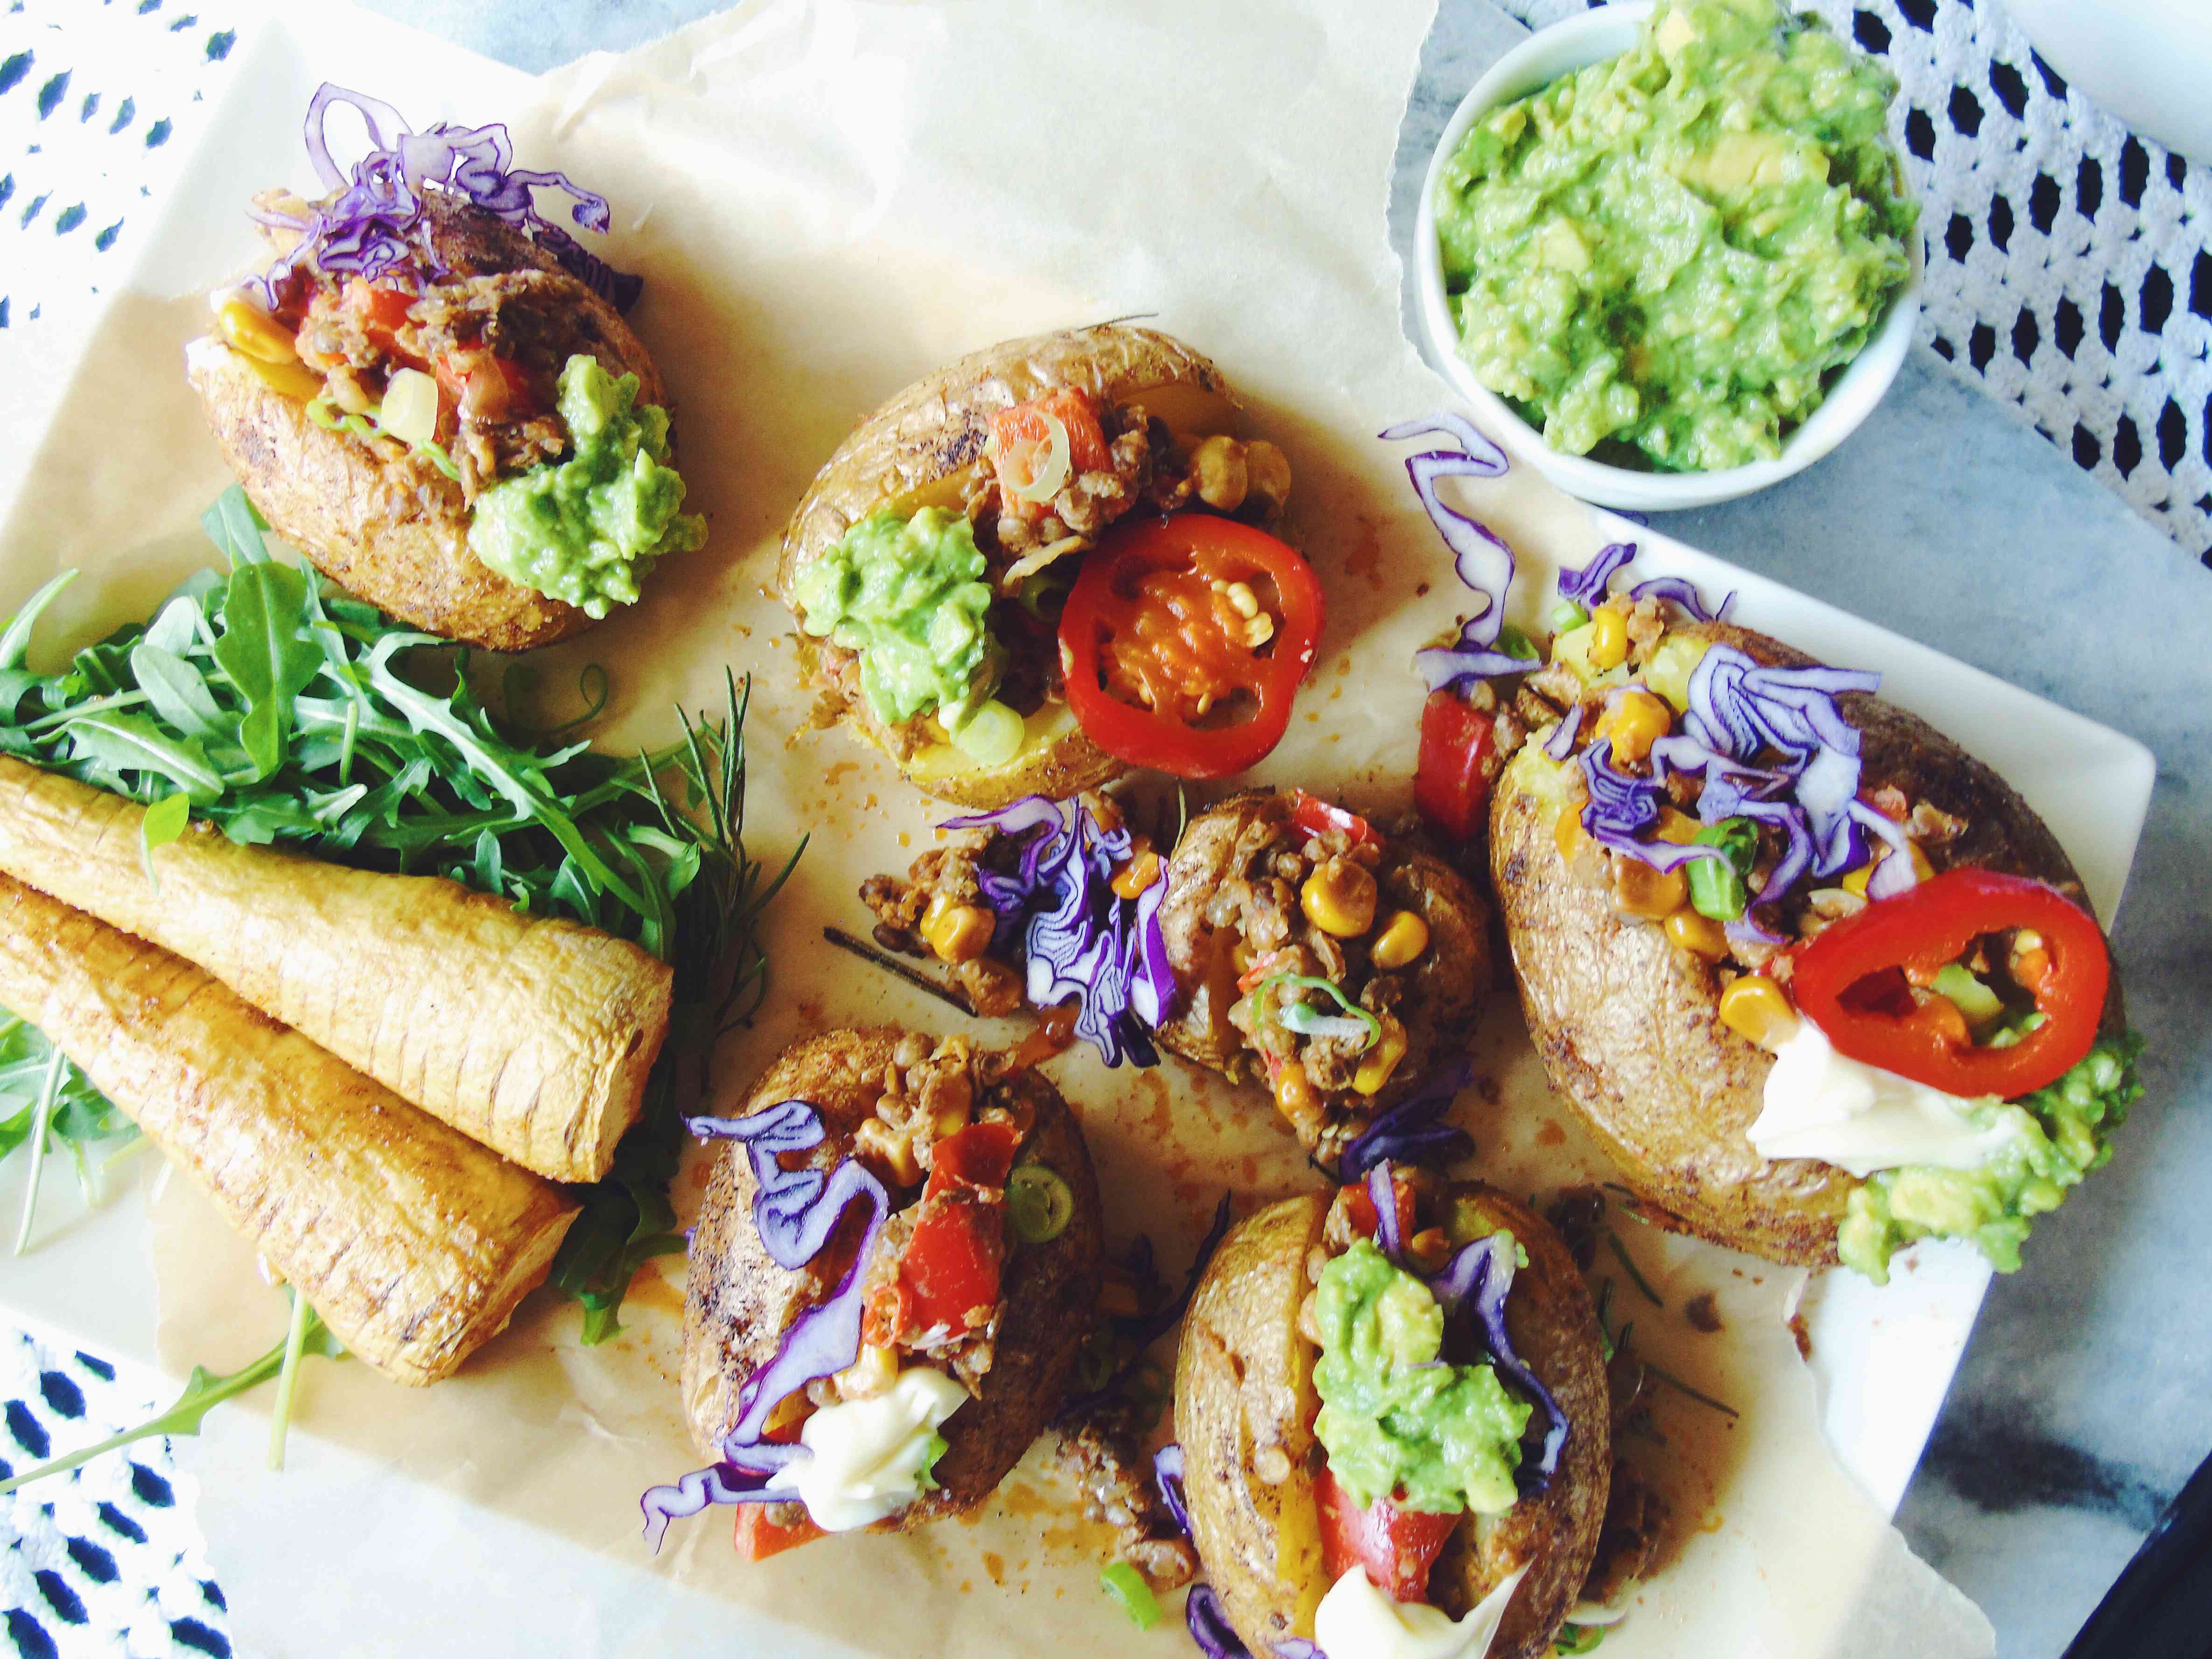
[
  {"x": 411, "y": 1240},
  {"x": 531, "y": 1034}
]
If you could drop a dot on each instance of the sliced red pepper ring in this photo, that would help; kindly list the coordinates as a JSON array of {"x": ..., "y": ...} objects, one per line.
[
  {"x": 1915, "y": 934},
  {"x": 1457, "y": 766},
  {"x": 1155, "y": 635},
  {"x": 1397, "y": 1548},
  {"x": 1317, "y": 817}
]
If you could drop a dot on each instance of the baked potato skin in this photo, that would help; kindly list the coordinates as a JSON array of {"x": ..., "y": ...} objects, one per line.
[
  {"x": 1245, "y": 1402},
  {"x": 928, "y": 441},
  {"x": 738, "y": 1301},
  {"x": 1447, "y": 983},
  {"x": 1628, "y": 1025},
  {"x": 1554, "y": 1327},
  {"x": 1244, "y": 1391},
  {"x": 397, "y": 533}
]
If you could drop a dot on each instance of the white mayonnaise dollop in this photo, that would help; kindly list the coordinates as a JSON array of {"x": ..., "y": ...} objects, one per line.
[
  {"x": 869, "y": 1456},
  {"x": 1820, "y": 1104},
  {"x": 1355, "y": 1621}
]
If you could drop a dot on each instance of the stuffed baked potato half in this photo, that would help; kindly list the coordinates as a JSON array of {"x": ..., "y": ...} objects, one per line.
[
  {"x": 1328, "y": 1391},
  {"x": 1047, "y": 563},
  {"x": 919, "y": 1224},
  {"x": 1798, "y": 1050},
  {"x": 449, "y": 418}
]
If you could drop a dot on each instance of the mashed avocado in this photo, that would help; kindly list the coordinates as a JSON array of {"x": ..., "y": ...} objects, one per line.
[
  {"x": 586, "y": 528},
  {"x": 2060, "y": 1133},
  {"x": 907, "y": 595},
  {"x": 1433, "y": 1436},
  {"x": 1673, "y": 251}
]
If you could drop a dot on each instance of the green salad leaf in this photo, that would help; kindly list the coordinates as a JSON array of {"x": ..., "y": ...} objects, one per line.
[{"x": 279, "y": 712}]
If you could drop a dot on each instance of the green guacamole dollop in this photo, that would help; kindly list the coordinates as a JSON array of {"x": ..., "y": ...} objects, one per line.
[
  {"x": 1670, "y": 254},
  {"x": 587, "y": 528},
  {"x": 908, "y": 595},
  {"x": 1432, "y": 1436},
  {"x": 2060, "y": 1133}
]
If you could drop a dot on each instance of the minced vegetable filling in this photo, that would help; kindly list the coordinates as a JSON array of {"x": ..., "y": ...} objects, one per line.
[
  {"x": 2060, "y": 1132},
  {"x": 586, "y": 529},
  {"x": 1673, "y": 252},
  {"x": 1397, "y": 1421},
  {"x": 907, "y": 596}
]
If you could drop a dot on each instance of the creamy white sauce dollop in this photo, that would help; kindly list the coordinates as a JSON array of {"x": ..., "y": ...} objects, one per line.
[
  {"x": 1820, "y": 1104},
  {"x": 1355, "y": 1621},
  {"x": 869, "y": 1456}
]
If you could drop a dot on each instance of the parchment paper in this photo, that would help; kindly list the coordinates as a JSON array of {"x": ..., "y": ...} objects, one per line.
[{"x": 827, "y": 200}]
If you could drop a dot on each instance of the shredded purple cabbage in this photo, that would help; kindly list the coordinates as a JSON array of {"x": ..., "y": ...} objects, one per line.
[
  {"x": 369, "y": 228},
  {"x": 1208, "y": 1623},
  {"x": 1622, "y": 807},
  {"x": 796, "y": 1210},
  {"x": 1077, "y": 939},
  {"x": 1409, "y": 1131},
  {"x": 1482, "y": 560},
  {"x": 1167, "y": 1474},
  {"x": 1679, "y": 589},
  {"x": 1382, "y": 1193},
  {"x": 1587, "y": 586},
  {"x": 1481, "y": 1274},
  {"x": 1561, "y": 743}
]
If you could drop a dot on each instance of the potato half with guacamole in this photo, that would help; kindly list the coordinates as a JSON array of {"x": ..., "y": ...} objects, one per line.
[
  {"x": 1820, "y": 982},
  {"x": 1049, "y": 562},
  {"x": 429, "y": 390},
  {"x": 1395, "y": 1427}
]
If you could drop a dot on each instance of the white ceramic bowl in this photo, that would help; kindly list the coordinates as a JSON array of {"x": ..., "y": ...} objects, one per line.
[
  {"x": 2147, "y": 61},
  {"x": 1536, "y": 61}
]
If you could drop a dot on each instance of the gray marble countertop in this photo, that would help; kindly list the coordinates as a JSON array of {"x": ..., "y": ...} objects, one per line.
[{"x": 2077, "y": 1414}]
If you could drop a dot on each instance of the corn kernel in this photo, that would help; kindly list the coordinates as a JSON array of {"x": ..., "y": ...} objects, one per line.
[
  {"x": 1855, "y": 881},
  {"x": 1142, "y": 869},
  {"x": 1677, "y": 827},
  {"x": 255, "y": 333},
  {"x": 957, "y": 932},
  {"x": 293, "y": 379},
  {"x": 1375, "y": 1067},
  {"x": 1117, "y": 1295},
  {"x": 1634, "y": 720},
  {"x": 1650, "y": 894},
  {"x": 1698, "y": 934},
  {"x": 1756, "y": 1008},
  {"x": 1570, "y": 834},
  {"x": 1295, "y": 1098},
  {"x": 872, "y": 1374},
  {"x": 891, "y": 1148},
  {"x": 1609, "y": 646},
  {"x": 1340, "y": 898},
  {"x": 1403, "y": 937}
]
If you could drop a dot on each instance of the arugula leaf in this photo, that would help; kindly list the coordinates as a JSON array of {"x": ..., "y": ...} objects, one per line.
[
  {"x": 132, "y": 743},
  {"x": 203, "y": 1392},
  {"x": 161, "y": 823},
  {"x": 387, "y": 755},
  {"x": 268, "y": 655}
]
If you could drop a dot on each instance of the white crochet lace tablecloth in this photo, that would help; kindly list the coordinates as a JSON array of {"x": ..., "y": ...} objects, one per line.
[{"x": 2069, "y": 275}]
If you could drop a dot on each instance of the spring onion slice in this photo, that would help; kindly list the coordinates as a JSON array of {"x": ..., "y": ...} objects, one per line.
[
  {"x": 1039, "y": 1203},
  {"x": 1301, "y": 1018},
  {"x": 1126, "y": 1586}
]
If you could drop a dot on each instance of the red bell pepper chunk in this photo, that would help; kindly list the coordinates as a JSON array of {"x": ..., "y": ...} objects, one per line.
[
  {"x": 1910, "y": 938},
  {"x": 1021, "y": 438},
  {"x": 1458, "y": 763},
  {"x": 1317, "y": 817},
  {"x": 1397, "y": 1547},
  {"x": 949, "y": 1270},
  {"x": 758, "y": 1537}
]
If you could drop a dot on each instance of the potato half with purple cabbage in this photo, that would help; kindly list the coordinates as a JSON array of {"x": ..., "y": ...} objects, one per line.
[
  {"x": 429, "y": 390},
  {"x": 1820, "y": 982},
  {"x": 890, "y": 1284},
  {"x": 1395, "y": 1417}
]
